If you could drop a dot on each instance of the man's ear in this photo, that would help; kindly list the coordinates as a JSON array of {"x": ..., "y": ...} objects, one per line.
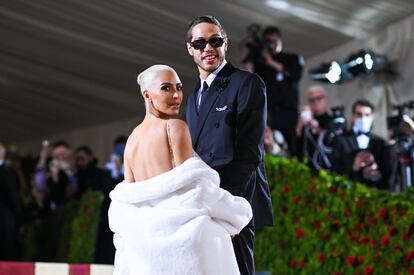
[
  {"x": 190, "y": 49},
  {"x": 225, "y": 45}
]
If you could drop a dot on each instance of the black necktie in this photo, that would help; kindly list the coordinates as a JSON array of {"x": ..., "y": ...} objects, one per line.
[{"x": 201, "y": 94}]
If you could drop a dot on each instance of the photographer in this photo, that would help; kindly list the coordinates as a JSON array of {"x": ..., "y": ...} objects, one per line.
[
  {"x": 358, "y": 153},
  {"x": 401, "y": 149},
  {"x": 281, "y": 73},
  {"x": 314, "y": 120}
]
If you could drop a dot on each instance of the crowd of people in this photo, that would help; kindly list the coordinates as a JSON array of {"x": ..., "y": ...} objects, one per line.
[{"x": 31, "y": 189}]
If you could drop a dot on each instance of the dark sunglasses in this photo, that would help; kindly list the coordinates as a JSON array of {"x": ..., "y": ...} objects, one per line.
[{"x": 214, "y": 42}]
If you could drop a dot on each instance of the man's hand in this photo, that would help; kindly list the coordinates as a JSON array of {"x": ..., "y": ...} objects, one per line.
[
  {"x": 271, "y": 62},
  {"x": 363, "y": 159}
]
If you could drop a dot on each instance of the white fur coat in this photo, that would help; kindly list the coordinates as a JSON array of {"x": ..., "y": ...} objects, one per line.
[{"x": 177, "y": 223}]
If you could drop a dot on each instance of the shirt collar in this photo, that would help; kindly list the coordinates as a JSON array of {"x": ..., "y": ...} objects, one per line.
[{"x": 210, "y": 78}]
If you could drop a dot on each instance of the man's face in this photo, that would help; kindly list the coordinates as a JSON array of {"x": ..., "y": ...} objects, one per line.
[
  {"x": 361, "y": 112},
  {"x": 275, "y": 43},
  {"x": 318, "y": 102},
  {"x": 61, "y": 153},
  {"x": 82, "y": 160},
  {"x": 209, "y": 58}
]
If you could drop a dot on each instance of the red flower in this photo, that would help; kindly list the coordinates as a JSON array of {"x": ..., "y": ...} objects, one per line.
[
  {"x": 368, "y": 270},
  {"x": 411, "y": 270},
  {"x": 351, "y": 260},
  {"x": 312, "y": 187},
  {"x": 373, "y": 243},
  {"x": 321, "y": 258},
  {"x": 393, "y": 231},
  {"x": 385, "y": 240},
  {"x": 296, "y": 199},
  {"x": 360, "y": 259},
  {"x": 286, "y": 189},
  {"x": 409, "y": 257},
  {"x": 372, "y": 220},
  {"x": 293, "y": 263},
  {"x": 348, "y": 212},
  {"x": 312, "y": 180},
  {"x": 360, "y": 202},
  {"x": 302, "y": 263},
  {"x": 359, "y": 226},
  {"x": 300, "y": 233},
  {"x": 398, "y": 248},
  {"x": 325, "y": 236},
  {"x": 384, "y": 213},
  {"x": 363, "y": 240},
  {"x": 317, "y": 225}
]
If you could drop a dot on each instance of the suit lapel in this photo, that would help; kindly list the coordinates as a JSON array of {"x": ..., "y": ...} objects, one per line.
[
  {"x": 192, "y": 119},
  {"x": 209, "y": 100}
]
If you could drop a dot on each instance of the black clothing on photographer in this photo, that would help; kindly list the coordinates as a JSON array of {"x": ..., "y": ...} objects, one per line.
[
  {"x": 307, "y": 144},
  {"x": 345, "y": 148},
  {"x": 282, "y": 92},
  {"x": 11, "y": 207}
]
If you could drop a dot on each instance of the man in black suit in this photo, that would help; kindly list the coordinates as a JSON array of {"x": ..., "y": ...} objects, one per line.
[
  {"x": 226, "y": 115},
  {"x": 358, "y": 153}
]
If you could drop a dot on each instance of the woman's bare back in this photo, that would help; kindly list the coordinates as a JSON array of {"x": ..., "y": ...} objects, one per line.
[{"x": 149, "y": 152}]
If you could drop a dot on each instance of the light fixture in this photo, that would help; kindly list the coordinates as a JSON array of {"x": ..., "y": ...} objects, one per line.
[{"x": 328, "y": 72}]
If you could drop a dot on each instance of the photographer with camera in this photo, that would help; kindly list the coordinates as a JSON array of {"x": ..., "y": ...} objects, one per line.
[
  {"x": 358, "y": 153},
  {"x": 281, "y": 73},
  {"x": 313, "y": 123},
  {"x": 401, "y": 148}
]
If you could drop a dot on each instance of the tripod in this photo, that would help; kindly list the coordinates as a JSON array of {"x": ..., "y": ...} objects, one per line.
[{"x": 402, "y": 171}]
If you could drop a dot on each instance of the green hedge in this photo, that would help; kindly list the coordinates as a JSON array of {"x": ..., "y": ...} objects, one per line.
[
  {"x": 326, "y": 224},
  {"x": 68, "y": 235}
]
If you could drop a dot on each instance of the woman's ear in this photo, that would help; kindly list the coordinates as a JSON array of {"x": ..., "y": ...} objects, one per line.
[{"x": 146, "y": 95}]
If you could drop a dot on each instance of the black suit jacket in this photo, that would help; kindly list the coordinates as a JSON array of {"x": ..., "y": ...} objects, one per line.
[
  {"x": 345, "y": 148},
  {"x": 228, "y": 134}
]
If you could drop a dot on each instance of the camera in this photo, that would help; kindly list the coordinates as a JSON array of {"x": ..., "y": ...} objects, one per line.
[
  {"x": 337, "y": 124},
  {"x": 403, "y": 139},
  {"x": 254, "y": 44}
]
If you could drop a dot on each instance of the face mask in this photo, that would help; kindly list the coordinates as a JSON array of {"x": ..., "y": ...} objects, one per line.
[{"x": 363, "y": 124}]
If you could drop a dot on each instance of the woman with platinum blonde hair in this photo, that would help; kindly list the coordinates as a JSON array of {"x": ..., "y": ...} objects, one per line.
[{"x": 169, "y": 215}]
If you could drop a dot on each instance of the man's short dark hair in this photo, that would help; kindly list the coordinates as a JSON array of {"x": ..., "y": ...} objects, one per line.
[
  {"x": 269, "y": 30},
  {"x": 61, "y": 143},
  {"x": 364, "y": 103},
  {"x": 86, "y": 149},
  {"x": 204, "y": 19}
]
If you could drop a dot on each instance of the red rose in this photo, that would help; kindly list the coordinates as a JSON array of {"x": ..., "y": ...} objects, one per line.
[
  {"x": 312, "y": 187},
  {"x": 293, "y": 263},
  {"x": 373, "y": 244},
  {"x": 317, "y": 225},
  {"x": 368, "y": 270},
  {"x": 348, "y": 212},
  {"x": 363, "y": 240},
  {"x": 410, "y": 256},
  {"x": 296, "y": 199},
  {"x": 385, "y": 240},
  {"x": 286, "y": 189},
  {"x": 351, "y": 260},
  {"x": 411, "y": 270},
  {"x": 360, "y": 259},
  {"x": 359, "y": 226},
  {"x": 393, "y": 231},
  {"x": 325, "y": 236},
  {"x": 321, "y": 258},
  {"x": 360, "y": 202},
  {"x": 398, "y": 248},
  {"x": 300, "y": 233},
  {"x": 384, "y": 213},
  {"x": 372, "y": 220}
]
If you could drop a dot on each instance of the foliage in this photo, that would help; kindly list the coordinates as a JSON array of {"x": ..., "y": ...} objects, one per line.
[{"x": 326, "y": 224}]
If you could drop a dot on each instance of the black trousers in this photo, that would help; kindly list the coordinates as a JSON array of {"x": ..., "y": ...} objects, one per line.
[{"x": 243, "y": 248}]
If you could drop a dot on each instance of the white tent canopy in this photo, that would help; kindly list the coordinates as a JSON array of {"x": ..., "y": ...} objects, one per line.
[{"x": 66, "y": 65}]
